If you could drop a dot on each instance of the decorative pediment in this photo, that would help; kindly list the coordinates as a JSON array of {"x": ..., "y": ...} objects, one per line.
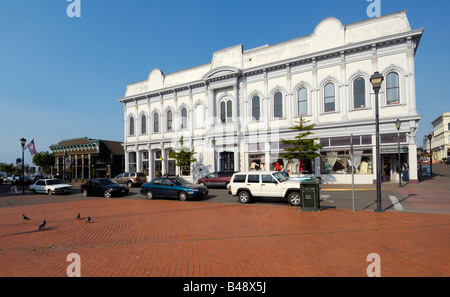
[{"x": 221, "y": 72}]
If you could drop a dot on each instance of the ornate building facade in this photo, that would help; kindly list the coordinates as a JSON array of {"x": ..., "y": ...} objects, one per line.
[{"x": 234, "y": 110}]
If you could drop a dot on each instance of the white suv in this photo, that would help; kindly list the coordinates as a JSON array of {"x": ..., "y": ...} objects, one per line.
[{"x": 253, "y": 184}]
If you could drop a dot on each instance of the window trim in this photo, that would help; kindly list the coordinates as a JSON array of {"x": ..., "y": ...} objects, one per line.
[
  {"x": 334, "y": 97},
  {"x": 131, "y": 125},
  {"x": 388, "y": 88},
  {"x": 363, "y": 92},
  {"x": 253, "y": 108},
  {"x": 223, "y": 114},
  {"x": 298, "y": 101},
  {"x": 156, "y": 118},
  {"x": 143, "y": 119},
  {"x": 282, "y": 104},
  {"x": 169, "y": 128},
  {"x": 184, "y": 122}
]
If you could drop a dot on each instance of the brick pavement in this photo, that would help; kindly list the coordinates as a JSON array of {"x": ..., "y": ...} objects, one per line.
[{"x": 174, "y": 238}]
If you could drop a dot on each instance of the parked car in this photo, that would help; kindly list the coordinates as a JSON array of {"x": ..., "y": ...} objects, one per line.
[
  {"x": 37, "y": 177},
  {"x": 217, "y": 179},
  {"x": 50, "y": 187},
  {"x": 103, "y": 186},
  {"x": 447, "y": 161},
  {"x": 248, "y": 186},
  {"x": 131, "y": 178},
  {"x": 13, "y": 177},
  {"x": 173, "y": 187},
  {"x": 20, "y": 181}
]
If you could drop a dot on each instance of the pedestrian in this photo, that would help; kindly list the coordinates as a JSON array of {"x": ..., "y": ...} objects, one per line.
[
  {"x": 14, "y": 186},
  {"x": 405, "y": 171}
]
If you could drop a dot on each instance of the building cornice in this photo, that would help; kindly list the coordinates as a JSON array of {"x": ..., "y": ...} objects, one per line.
[{"x": 225, "y": 72}]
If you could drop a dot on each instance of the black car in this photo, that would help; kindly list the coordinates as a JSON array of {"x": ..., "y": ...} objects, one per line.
[{"x": 103, "y": 186}]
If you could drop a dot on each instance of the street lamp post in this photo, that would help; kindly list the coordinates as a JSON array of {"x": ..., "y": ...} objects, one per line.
[
  {"x": 23, "y": 141},
  {"x": 398, "y": 123},
  {"x": 430, "y": 136},
  {"x": 376, "y": 79}
]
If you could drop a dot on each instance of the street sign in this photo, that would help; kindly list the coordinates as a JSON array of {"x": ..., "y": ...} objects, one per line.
[{"x": 18, "y": 160}]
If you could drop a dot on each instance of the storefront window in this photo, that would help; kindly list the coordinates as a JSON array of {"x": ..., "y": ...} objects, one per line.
[
  {"x": 257, "y": 162},
  {"x": 132, "y": 161},
  {"x": 340, "y": 162}
]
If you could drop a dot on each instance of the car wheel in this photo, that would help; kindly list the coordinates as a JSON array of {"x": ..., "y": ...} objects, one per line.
[
  {"x": 34, "y": 191},
  {"x": 49, "y": 192},
  {"x": 182, "y": 196},
  {"x": 85, "y": 193},
  {"x": 107, "y": 194},
  {"x": 244, "y": 197},
  {"x": 149, "y": 195},
  {"x": 202, "y": 184},
  {"x": 227, "y": 184},
  {"x": 129, "y": 184},
  {"x": 294, "y": 198}
]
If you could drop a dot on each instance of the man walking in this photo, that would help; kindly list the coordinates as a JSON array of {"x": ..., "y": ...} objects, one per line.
[
  {"x": 405, "y": 171},
  {"x": 14, "y": 186}
]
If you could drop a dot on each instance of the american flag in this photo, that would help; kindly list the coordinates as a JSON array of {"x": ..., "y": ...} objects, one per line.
[{"x": 32, "y": 148}]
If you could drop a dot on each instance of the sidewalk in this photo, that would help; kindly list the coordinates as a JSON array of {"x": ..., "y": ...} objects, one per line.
[
  {"x": 191, "y": 239},
  {"x": 430, "y": 195}
]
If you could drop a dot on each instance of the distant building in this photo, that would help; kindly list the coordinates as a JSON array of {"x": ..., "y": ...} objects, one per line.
[
  {"x": 81, "y": 159},
  {"x": 234, "y": 110},
  {"x": 440, "y": 143}
]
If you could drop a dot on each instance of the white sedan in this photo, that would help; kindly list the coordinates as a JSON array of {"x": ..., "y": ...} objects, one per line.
[{"x": 50, "y": 186}]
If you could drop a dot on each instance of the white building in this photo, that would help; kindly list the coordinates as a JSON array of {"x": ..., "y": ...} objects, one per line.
[
  {"x": 234, "y": 110},
  {"x": 440, "y": 142}
]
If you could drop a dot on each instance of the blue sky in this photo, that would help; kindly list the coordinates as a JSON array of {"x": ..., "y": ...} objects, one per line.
[{"x": 60, "y": 77}]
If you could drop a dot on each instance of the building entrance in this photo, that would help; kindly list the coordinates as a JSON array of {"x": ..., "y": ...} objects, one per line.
[{"x": 226, "y": 161}]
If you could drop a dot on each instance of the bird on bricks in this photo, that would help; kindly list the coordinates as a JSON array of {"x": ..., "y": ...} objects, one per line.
[
  {"x": 42, "y": 225},
  {"x": 25, "y": 217}
]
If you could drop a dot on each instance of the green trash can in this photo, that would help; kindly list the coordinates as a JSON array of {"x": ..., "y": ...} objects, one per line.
[{"x": 310, "y": 195}]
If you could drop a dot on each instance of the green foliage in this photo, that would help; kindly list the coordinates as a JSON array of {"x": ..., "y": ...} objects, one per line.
[
  {"x": 301, "y": 147},
  {"x": 45, "y": 160},
  {"x": 8, "y": 168},
  {"x": 183, "y": 158}
]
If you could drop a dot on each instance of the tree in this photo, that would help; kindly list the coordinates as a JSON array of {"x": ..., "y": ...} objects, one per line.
[
  {"x": 44, "y": 160},
  {"x": 302, "y": 147},
  {"x": 183, "y": 159},
  {"x": 8, "y": 168}
]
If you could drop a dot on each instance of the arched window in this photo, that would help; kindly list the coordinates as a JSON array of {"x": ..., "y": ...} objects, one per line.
[
  {"x": 131, "y": 126},
  {"x": 256, "y": 108},
  {"x": 143, "y": 124},
  {"x": 156, "y": 122},
  {"x": 302, "y": 103},
  {"x": 277, "y": 105},
  {"x": 392, "y": 88},
  {"x": 169, "y": 120},
  {"x": 226, "y": 111},
  {"x": 359, "y": 93},
  {"x": 183, "y": 124},
  {"x": 229, "y": 111},
  {"x": 329, "y": 98}
]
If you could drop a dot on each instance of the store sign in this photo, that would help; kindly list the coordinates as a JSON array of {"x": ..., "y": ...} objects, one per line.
[{"x": 393, "y": 150}]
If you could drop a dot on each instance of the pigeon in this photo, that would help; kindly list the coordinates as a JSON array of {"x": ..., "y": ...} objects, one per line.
[
  {"x": 42, "y": 225},
  {"x": 25, "y": 217},
  {"x": 78, "y": 216},
  {"x": 88, "y": 220}
]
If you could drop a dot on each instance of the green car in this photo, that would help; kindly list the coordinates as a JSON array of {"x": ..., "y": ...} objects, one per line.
[{"x": 173, "y": 187}]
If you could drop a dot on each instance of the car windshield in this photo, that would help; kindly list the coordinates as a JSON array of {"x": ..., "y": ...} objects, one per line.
[
  {"x": 105, "y": 182},
  {"x": 54, "y": 182},
  {"x": 179, "y": 181},
  {"x": 280, "y": 177}
]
